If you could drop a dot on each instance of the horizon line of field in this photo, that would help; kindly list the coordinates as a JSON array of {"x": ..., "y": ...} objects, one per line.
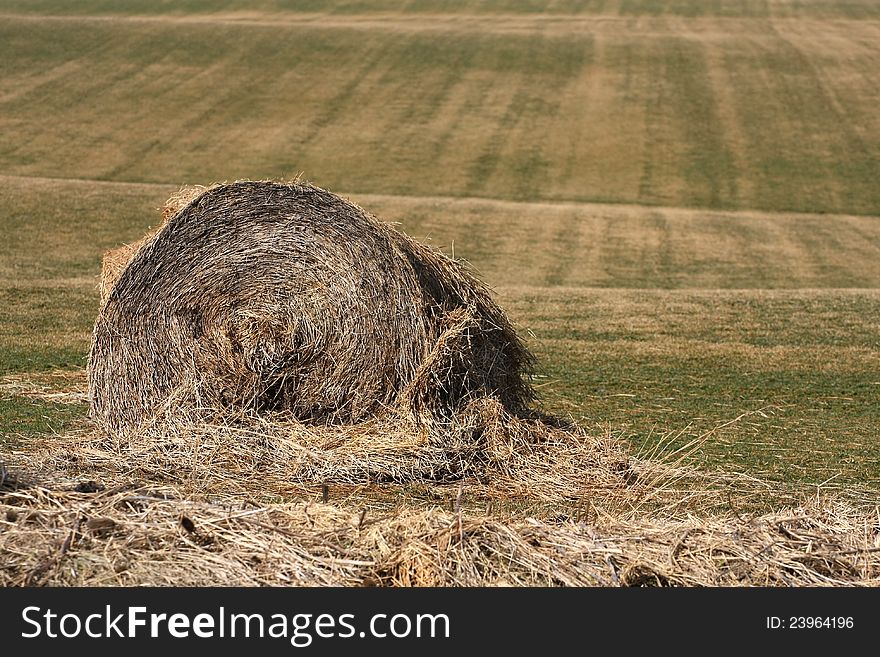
[
  {"x": 433, "y": 21},
  {"x": 356, "y": 197}
]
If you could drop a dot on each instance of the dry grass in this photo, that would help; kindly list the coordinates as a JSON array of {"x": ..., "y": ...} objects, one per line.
[
  {"x": 125, "y": 530},
  {"x": 59, "y": 387}
]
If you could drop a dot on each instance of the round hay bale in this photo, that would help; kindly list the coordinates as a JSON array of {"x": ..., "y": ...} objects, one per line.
[{"x": 262, "y": 296}]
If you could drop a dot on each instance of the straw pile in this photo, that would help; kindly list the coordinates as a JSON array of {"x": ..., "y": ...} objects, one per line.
[
  {"x": 271, "y": 297},
  {"x": 183, "y": 503},
  {"x": 139, "y": 533},
  {"x": 188, "y": 503}
]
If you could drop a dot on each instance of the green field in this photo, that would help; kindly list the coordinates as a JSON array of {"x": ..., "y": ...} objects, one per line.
[{"x": 676, "y": 202}]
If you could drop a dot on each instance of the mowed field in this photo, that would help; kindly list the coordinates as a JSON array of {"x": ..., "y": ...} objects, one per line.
[
  {"x": 676, "y": 202},
  {"x": 758, "y": 105}
]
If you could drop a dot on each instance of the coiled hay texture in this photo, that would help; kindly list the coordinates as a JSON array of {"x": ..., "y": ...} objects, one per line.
[
  {"x": 116, "y": 260},
  {"x": 263, "y": 296}
]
